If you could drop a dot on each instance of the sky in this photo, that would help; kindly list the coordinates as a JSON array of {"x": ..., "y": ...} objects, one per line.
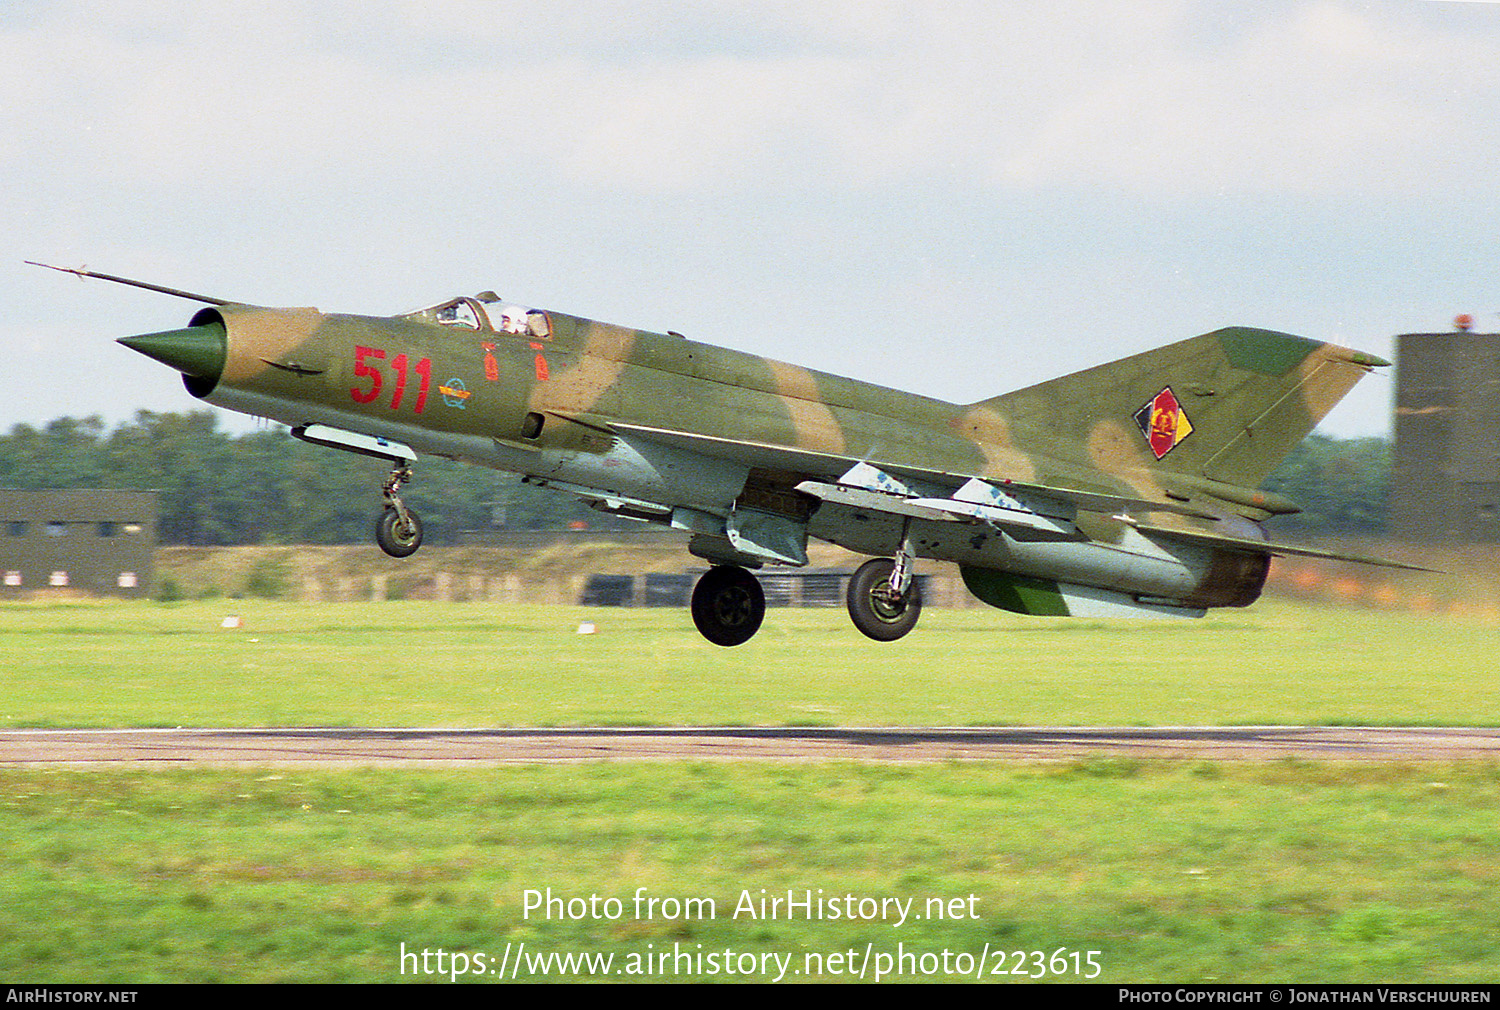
[{"x": 957, "y": 199}]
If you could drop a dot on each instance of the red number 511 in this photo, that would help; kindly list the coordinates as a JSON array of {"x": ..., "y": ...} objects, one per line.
[{"x": 365, "y": 370}]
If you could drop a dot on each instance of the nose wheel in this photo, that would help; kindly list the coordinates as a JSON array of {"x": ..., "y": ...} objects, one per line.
[
  {"x": 397, "y": 537},
  {"x": 728, "y": 605},
  {"x": 398, "y": 531}
]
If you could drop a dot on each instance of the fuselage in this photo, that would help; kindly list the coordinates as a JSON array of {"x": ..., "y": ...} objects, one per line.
[
  {"x": 1128, "y": 489},
  {"x": 546, "y": 402}
]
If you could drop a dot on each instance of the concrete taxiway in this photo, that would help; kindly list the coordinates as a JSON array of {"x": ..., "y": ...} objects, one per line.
[{"x": 346, "y": 746}]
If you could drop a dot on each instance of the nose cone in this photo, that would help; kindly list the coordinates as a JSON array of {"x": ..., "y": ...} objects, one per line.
[{"x": 197, "y": 352}]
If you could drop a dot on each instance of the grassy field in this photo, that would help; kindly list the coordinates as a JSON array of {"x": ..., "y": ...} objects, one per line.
[
  {"x": 476, "y": 664},
  {"x": 1172, "y": 872}
]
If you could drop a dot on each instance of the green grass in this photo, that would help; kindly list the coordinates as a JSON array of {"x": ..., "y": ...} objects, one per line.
[
  {"x": 1172, "y": 871},
  {"x": 1184, "y": 873},
  {"x": 477, "y": 664}
]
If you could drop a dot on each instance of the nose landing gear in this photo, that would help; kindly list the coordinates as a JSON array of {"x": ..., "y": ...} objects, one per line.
[{"x": 398, "y": 531}]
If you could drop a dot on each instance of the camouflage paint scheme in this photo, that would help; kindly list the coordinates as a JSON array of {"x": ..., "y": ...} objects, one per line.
[{"x": 1126, "y": 489}]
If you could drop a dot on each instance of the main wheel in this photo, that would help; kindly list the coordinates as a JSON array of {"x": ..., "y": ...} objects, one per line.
[
  {"x": 398, "y": 539},
  {"x": 873, "y": 609},
  {"x": 728, "y": 605}
]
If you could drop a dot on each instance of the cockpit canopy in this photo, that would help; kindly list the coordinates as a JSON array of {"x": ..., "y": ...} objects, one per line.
[{"x": 488, "y": 312}]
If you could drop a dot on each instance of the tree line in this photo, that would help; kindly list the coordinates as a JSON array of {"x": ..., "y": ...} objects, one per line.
[
  {"x": 267, "y": 487},
  {"x": 1342, "y": 485}
]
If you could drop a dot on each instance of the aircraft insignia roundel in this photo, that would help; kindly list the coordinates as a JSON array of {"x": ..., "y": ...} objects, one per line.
[{"x": 1163, "y": 422}]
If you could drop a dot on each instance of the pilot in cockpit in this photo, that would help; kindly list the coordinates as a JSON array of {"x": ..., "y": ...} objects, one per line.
[{"x": 513, "y": 319}]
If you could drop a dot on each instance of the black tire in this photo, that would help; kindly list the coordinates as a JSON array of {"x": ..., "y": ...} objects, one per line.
[
  {"x": 728, "y": 605},
  {"x": 872, "y": 613},
  {"x": 395, "y": 537}
]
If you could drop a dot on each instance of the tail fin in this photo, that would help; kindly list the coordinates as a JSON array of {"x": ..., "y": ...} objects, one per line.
[{"x": 1226, "y": 406}]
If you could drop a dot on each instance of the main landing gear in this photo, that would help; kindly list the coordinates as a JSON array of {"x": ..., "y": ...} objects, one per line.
[
  {"x": 884, "y": 602},
  {"x": 398, "y": 531},
  {"x": 728, "y": 605}
]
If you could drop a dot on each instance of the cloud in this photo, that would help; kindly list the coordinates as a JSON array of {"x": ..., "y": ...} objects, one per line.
[
  {"x": 1325, "y": 101},
  {"x": 676, "y": 97},
  {"x": 1099, "y": 172}
]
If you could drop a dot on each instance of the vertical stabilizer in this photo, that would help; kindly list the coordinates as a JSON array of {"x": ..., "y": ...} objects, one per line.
[{"x": 1227, "y": 406}]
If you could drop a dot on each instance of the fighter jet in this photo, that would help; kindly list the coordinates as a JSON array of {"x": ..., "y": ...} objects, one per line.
[{"x": 1129, "y": 489}]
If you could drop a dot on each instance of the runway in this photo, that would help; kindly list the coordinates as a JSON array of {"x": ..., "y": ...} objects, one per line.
[{"x": 355, "y": 747}]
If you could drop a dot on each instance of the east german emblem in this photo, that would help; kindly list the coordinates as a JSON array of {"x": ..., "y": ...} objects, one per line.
[{"x": 1163, "y": 422}]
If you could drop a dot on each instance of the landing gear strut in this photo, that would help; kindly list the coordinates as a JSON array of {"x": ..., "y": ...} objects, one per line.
[
  {"x": 728, "y": 605},
  {"x": 876, "y": 606},
  {"x": 398, "y": 531}
]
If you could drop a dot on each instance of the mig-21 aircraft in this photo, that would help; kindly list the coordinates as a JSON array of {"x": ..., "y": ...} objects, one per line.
[{"x": 1128, "y": 489}]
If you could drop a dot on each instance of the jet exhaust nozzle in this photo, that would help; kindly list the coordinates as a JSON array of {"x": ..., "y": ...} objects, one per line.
[{"x": 198, "y": 352}]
